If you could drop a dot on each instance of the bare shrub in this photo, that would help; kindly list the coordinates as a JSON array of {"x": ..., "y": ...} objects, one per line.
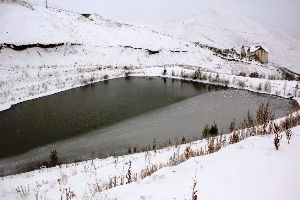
[
  {"x": 288, "y": 133},
  {"x": 184, "y": 75},
  {"x": 183, "y": 140},
  {"x": 295, "y": 92},
  {"x": 127, "y": 67},
  {"x": 277, "y": 136},
  {"x": 272, "y": 77},
  {"x": 267, "y": 86},
  {"x": 295, "y": 107},
  {"x": 129, "y": 174},
  {"x": 254, "y": 75},
  {"x": 83, "y": 81},
  {"x": 204, "y": 77},
  {"x": 259, "y": 87},
  {"x": 53, "y": 158},
  {"x": 232, "y": 126},
  {"x": 92, "y": 79},
  {"x": 164, "y": 72},
  {"x": 105, "y": 77},
  {"x": 217, "y": 78},
  {"x": 205, "y": 132},
  {"x": 211, "y": 145},
  {"x": 198, "y": 74},
  {"x": 241, "y": 83},
  {"x": 22, "y": 191},
  {"x": 127, "y": 75},
  {"x": 209, "y": 77},
  {"x": 112, "y": 182},
  {"x": 154, "y": 144},
  {"x": 262, "y": 76},
  {"x": 224, "y": 81},
  {"x": 70, "y": 194},
  {"x": 194, "y": 193},
  {"x": 264, "y": 115},
  {"x": 129, "y": 150},
  {"x": 234, "y": 138},
  {"x": 176, "y": 158},
  {"x": 96, "y": 187},
  {"x": 213, "y": 130},
  {"x": 187, "y": 152},
  {"x": 210, "y": 131},
  {"x": 173, "y": 73},
  {"x": 242, "y": 74},
  {"x": 149, "y": 170},
  {"x": 287, "y": 124}
]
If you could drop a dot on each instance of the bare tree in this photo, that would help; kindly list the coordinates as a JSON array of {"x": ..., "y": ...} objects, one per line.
[
  {"x": 194, "y": 193},
  {"x": 277, "y": 136}
]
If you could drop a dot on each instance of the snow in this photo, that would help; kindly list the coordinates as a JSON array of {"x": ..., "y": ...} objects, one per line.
[
  {"x": 29, "y": 82},
  {"x": 36, "y": 72},
  {"x": 250, "y": 169},
  {"x": 256, "y": 47},
  {"x": 229, "y": 30}
]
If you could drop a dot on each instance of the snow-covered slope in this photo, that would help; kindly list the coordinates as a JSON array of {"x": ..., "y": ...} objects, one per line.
[
  {"x": 225, "y": 30},
  {"x": 35, "y": 24},
  {"x": 249, "y": 170},
  {"x": 225, "y": 24},
  {"x": 86, "y": 46}
]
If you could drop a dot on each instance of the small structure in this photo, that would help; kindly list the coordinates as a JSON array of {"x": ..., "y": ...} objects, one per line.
[
  {"x": 257, "y": 53},
  {"x": 87, "y": 15}
]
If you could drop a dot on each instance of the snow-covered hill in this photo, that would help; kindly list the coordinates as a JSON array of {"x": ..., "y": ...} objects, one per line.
[
  {"x": 225, "y": 30},
  {"x": 27, "y": 24},
  {"x": 85, "y": 46},
  {"x": 224, "y": 24}
]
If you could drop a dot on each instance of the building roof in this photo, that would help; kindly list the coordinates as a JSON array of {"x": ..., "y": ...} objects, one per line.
[{"x": 254, "y": 48}]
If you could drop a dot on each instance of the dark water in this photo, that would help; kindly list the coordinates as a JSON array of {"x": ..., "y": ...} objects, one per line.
[
  {"x": 106, "y": 118},
  {"x": 81, "y": 110}
]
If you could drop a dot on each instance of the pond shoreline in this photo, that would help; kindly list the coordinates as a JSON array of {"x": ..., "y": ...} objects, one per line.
[
  {"x": 178, "y": 122},
  {"x": 176, "y": 73}
]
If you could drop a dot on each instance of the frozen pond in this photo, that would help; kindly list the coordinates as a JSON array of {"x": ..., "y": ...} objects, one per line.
[{"x": 106, "y": 118}]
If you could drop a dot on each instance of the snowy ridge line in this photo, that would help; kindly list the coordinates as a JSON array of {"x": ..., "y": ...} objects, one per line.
[
  {"x": 225, "y": 54},
  {"x": 289, "y": 74},
  {"x": 281, "y": 88},
  {"x": 20, "y": 47}
]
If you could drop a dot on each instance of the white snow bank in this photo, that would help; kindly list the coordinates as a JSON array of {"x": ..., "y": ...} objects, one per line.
[{"x": 251, "y": 169}]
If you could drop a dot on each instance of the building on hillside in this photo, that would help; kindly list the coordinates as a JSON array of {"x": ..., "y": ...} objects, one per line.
[{"x": 256, "y": 52}]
